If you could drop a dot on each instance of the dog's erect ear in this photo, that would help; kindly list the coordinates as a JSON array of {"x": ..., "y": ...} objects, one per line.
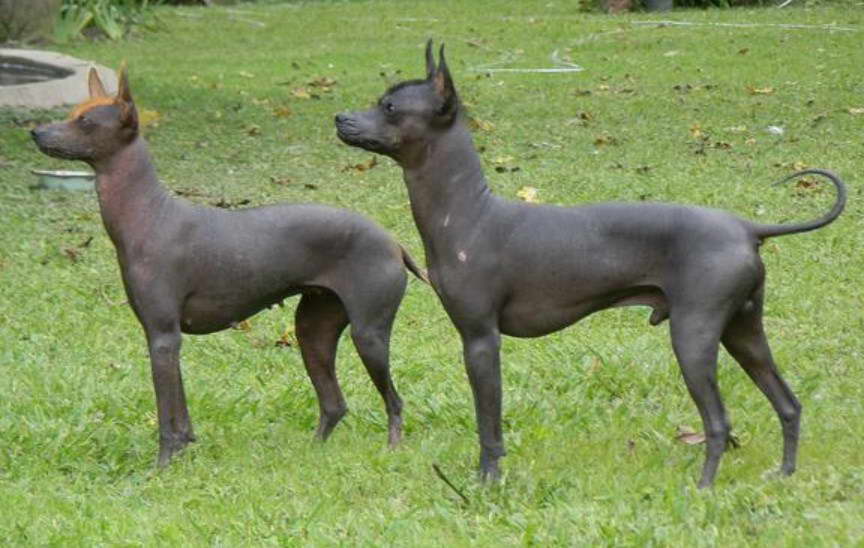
[
  {"x": 430, "y": 61},
  {"x": 443, "y": 83},
  {"x": 94, "y": 84},
  {"x": 123, "y": 92},
  {"x": 124, "y": 98}
]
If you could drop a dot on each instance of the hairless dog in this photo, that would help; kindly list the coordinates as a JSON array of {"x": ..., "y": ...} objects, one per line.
[
  {"x": 513, "y": 268},
  {"x": 194, "y": 269}
]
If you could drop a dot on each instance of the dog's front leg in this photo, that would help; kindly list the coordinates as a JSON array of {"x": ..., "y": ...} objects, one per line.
[
  {"x": 483, "y": 364},
  {"x": 175, "y": 428}
]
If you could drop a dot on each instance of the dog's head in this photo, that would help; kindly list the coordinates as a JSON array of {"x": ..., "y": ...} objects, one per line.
[
  {"x": 407, "y": 116},
  {"x": 96, "y": 128}
]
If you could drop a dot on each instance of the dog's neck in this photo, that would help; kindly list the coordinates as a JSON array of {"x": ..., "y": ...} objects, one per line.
[
  {"x": 131, "y": 198},
  {"x": 447, "y": 189}
]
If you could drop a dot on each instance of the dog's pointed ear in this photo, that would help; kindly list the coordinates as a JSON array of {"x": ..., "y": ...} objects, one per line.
[
  {"x": 430, "y": 61},
  {"x": 94, "y": 84},
  {"x": 124, "y": 98},
  {"x": 124, "y": 93},
  {"x": 443, "y": 83}
]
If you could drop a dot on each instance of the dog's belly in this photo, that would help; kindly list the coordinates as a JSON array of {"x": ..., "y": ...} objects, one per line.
[
  {"x": 534, "y": 316},
  {"x": 204, "y": 314}
]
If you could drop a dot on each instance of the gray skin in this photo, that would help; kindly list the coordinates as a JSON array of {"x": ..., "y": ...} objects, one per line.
[
  {"x": 525, "y": 270},
  {"x": 194, "y": 269}
]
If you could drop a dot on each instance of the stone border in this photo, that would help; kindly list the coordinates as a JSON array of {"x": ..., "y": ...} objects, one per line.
[{"x": 58, "y": 92}]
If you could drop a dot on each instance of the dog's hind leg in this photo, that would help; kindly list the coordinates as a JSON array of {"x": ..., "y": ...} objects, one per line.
[
  {"x": 372, "y": 314},
  {"x": 319, "y": 320},
  {"x": 696, "y": 341},
  {"x": 745, "y": 339},
  {"x": 373, "y": 346}
]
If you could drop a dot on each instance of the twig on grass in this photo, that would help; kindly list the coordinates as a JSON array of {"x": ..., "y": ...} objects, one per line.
[
  {"x": 108, "y": 300},
  {"x": 667, "y": 22},
  {"x": 562, "y": 66},
  {"x": 441, "y": 475}
]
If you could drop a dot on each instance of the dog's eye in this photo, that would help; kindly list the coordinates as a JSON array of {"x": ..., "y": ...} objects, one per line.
[
  {"x": 389, "y": 107},
  {"x": 85, "y": 121}
]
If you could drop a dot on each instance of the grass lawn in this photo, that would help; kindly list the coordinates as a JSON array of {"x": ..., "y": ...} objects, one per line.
[{"x": 240, "y": 103}]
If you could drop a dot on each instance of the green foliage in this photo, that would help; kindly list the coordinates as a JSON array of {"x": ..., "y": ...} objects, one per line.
[
  {"x": 661, "y": 112},
  {"x": 111, "y": 19}
]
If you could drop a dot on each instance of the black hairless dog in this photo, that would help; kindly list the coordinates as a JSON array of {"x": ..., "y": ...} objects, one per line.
[
  {"x": 512, "y": 268},
  {"x": 194, "y": 269}
]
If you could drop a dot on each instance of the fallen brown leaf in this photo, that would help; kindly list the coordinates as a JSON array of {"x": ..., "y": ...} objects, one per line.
[
  {"x": 301, "y": 93},
  {"x": 528, "y": 194},
  {"x": 281, "y": 180},
  {"x": 322, "y": 82},
  {"x": 148, "y": 118},
  {"x": 363, "y": 166},
  {"x": 807, "y": 185},
  {"x": 282, "y": 112},
  {"x": 477, "y": 124},
  {"x": 604, "y": 140},
  {"x": 287, "y": 339},
  {"x": 696, "y": 131},
  {"x": 759, "y": 91},
  {"x": 228, "y": 204},
  {"x": 71, "y": 253},
  {"x": 244, "y": 326},
  {"x": 687, "y": 436}
]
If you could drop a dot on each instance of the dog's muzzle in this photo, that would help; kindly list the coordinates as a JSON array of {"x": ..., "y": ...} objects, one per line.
[{"x": 350, "y": 132}]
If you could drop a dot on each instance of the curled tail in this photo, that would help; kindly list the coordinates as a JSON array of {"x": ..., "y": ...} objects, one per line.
[
  {"x": 768, "y": 231},
  {"x": 412, "y": 266}
]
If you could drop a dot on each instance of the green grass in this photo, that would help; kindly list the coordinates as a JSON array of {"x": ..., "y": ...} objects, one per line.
[{"x": 591, "y": 413}]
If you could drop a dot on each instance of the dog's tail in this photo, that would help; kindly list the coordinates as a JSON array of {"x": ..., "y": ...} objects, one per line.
[
  {"x": 412, "y": 266},
  {"x": 768, "y": 231}
]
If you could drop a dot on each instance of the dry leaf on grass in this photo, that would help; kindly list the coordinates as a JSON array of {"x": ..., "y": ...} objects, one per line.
[
  {"x": 759, "y": 91},
  {"x": 687, "y": 436},
  {"x": 301, "y": 93},
  {"x": 696, "y": 131},
  {"x": 148, "y": 118},
  {"x": 503, "y": 164},
  {"x": 476, "y": 124},
  {"x": 282, "y": 112},
  {"x": 528, "y": 194},
  {"x": 244, "y": 326},
  {"x": 363, "y": 166},
  {"x": 281, "y": 180},
  {"x": 287, "y": 339},
  {"x": 604, "y": 140},
  {"x": 228, "y": 204},
  {"x": 323, "y": 83}
]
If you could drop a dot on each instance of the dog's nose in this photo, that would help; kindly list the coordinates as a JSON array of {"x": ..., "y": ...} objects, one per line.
[
  {"x": 34, "y": 133},
  {"x": 341, "y": 118}
]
